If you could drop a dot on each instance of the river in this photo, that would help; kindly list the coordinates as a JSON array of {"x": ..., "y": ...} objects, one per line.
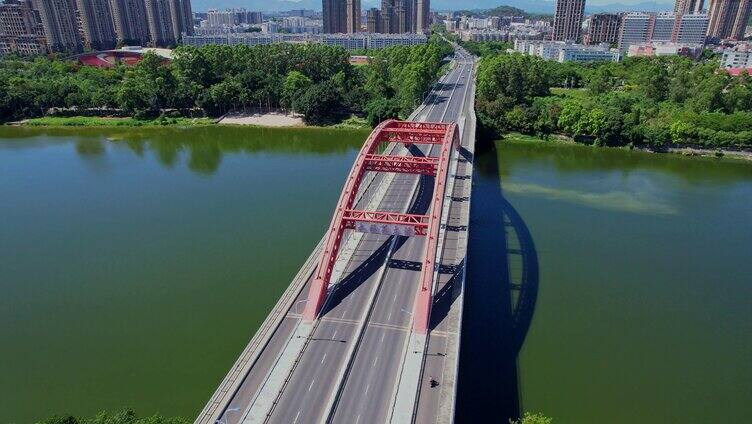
[{"x": 136, "y": 263}]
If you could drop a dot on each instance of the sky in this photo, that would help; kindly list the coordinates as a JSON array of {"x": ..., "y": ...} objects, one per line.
[{"x": 538, "y": 6}]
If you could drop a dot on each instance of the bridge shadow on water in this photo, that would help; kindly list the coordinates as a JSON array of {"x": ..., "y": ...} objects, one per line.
[{"x": 500, "y": 296}]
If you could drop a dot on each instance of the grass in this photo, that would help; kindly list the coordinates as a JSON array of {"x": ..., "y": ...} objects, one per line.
[
  {"x": 92, "y": 121},
  {"x": 353, "y": 122},
  {"x": 515, "y": 137}
]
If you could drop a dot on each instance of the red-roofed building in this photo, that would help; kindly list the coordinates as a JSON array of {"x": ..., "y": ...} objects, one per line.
[{"x": 127, "y": 56}]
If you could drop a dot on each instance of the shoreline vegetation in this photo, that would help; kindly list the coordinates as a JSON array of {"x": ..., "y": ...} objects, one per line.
[
  {"x": 261, "y": 120},
  {"x": 689, "y": 151},
  {"x": 123, "y": 416},
  {"x": 128, "y": 416},
  {"x": 660, "y": 104},
  {"x": 314, "y": 81}
]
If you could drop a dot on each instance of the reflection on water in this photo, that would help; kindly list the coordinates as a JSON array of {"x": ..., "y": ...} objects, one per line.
[
  {"x": 201, "y": 148},
  {"x": 136, "y": 263}
]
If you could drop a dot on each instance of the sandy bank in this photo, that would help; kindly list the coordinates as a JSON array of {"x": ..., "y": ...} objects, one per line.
[{"x": 270, "y": 119}]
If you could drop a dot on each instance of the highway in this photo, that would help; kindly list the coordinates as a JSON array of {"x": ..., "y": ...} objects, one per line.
[{"x": 346, "y": 368}]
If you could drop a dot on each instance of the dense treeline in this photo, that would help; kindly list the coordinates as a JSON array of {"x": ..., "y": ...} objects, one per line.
[
  {"x": 486, "y": 48},
  {"x": 640, "y": 101},
  {"x": 125, "y": 416},
  {"x": 315, "y": 80}
]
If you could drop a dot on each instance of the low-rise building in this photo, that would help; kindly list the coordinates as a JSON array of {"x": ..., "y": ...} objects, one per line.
[
  {"x": 737, "y": 58},
  {"x": 561, "y": 51},
  {"x": 665, "y": 49},
  {"x": 507, "y": 35},
  {"x": 347, "y": 41}
]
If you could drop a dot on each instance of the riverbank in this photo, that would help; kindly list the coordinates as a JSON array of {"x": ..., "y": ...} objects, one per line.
[
  {"x": 678, "y": 150},
  {"x": 95, "y": 121},
  {"x": 266, "y": 120}
]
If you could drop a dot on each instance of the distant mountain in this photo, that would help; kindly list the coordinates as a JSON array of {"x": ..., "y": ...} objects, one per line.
[{"x": 532, "y": 6}]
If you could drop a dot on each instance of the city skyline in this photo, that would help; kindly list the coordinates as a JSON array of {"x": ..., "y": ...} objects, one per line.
[{"x": 541, "y": 6}]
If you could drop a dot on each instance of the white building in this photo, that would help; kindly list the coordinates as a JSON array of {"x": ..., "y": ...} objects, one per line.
[
  {"x": 635, "y": 29},
  {"x": 561, "y": 51},
  {"x": 663, "y": 27},
  {"x": 511, "y": 34},
  {"x": 739, "y": 56},
  {"x": 692, "y": 29},
  {"x": 664, "y": 49},
  {"x": 644, "y": 28},
  {"x": 347, "y": 41}
]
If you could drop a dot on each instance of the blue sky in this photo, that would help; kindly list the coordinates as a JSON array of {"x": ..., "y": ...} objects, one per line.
[{"x": 530, "y": 5}]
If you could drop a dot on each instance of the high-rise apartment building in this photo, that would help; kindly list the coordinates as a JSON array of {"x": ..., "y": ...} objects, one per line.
[
  {"x": 129, "y": 17},
  {"x": 663, "y": 26},
  {"x": 335, "y": 12},
  {"x": 422, "y": 16},
  {"x": 352, "y": 19},
  {"x": 682, "y": 7},
  {"x": 373, "y": 20},
  {"x": 60, "y": 24},
  {"x": 20, "y": 30},
  {"x": 187, "y": 14},
  {"x": 602, "y": 28},
  {"x": 728, "y": 18},
  {"x": 97, "y": 25},
  {"x": 17, "y": 18},
  {"x": 690, "y": 28},
  {"x": 642, "y": 28},
  {"x": 181, "y": 18},
  {"x": 159, "y": 22},
  {"x": 568, "y": 20},
  {"x": 636, "y": 28},
  {"x": 398, "y": 16}
]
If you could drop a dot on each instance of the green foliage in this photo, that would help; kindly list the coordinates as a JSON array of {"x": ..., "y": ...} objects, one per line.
[
  {"x": 93, "y": 121},
  {"x": 486, "y": 48},
  {"x": 641, "y": 101},
  {"x": 316, "y": 80},
  {"x": 529, "y": 418},
  {"x": 124, "y": 416}
]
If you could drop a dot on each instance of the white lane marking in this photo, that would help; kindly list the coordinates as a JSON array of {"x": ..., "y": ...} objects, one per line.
[
  {"x": 395, "y": 297},
  {"x": 335, "y": 334},
  {"x": 309, "y": 387},
  {"x": 374, "y": 361},
  {"x": 296, "y": 417},
  {"x": 367, "y": 387},
  {"x": 382, "y": 336},
  {"x": 390, "y": 316},
  {"x": 357, "y": 419},
  {"x": 322, "y": 359}
]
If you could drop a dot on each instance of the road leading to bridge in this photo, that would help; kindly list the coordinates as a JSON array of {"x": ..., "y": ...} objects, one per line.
[{"x": 347, "y": 366}]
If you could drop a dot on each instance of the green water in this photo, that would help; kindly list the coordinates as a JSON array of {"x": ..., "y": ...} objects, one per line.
[
  {"x": 644, "y": 306},
  {"x": 136, "y": 263},
  {"x": 132, "y": 272}
]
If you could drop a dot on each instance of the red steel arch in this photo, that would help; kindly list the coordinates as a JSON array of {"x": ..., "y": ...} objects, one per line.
[{"x": 346, "y": 217}]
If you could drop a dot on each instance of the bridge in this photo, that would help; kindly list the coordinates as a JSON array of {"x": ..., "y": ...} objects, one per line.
[{"x": 369, "y": 329}]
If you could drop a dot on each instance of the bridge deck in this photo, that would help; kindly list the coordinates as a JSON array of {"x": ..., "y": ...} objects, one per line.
[{"x": 348, "y": 367}]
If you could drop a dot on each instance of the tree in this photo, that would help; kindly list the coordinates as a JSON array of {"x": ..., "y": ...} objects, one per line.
[
  {"x": 381, "y": 109},
  {"x": 601, "y": 81},
  {"x": 294, "y": 86},
  {"x": 320, "y": 103}
]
